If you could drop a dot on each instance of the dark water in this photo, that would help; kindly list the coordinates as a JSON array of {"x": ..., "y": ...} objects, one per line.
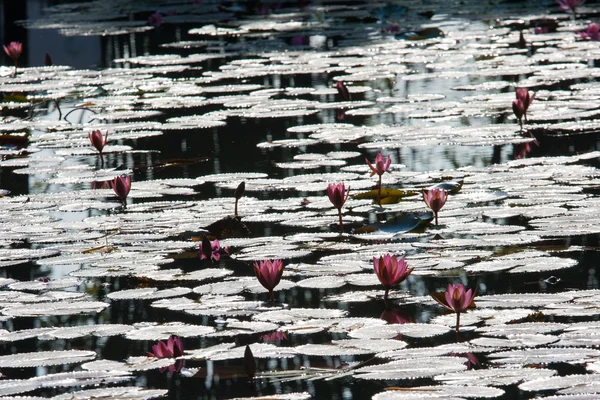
[{"x": 232, "y": 148}]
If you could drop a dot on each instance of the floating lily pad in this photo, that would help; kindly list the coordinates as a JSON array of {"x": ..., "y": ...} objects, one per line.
[{"x": 45, "y": 358}]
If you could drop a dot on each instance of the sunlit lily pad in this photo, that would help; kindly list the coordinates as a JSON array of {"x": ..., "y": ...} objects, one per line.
[{"x": 45, "y": 358}]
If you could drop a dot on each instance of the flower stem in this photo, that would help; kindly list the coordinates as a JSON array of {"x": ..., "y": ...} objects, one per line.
[
  {"x": 457, "y": 321},
  {"x": 235, "y": 210},
  {"x": 385, "y": 296},
  {"x": 341, "y": 224},
  {"x": 271, "y": 295},
  {"x": 436, "y": 217},
  {"x": 379, "y": 192},
  {"x": 101, "y": 160}
]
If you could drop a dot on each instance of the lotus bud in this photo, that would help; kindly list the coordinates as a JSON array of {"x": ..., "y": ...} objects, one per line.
[
  {"x": 98, "y": 141},
  {"x": 239, "y": 192},
  {"x": 592, "y": 32},
  {"x": 338, "y": 194},
  {"x": 268, "y": 273},
  {"x": 122, "y": 185},
  {"x": 343, "y": 91},
  {"x": 435, "y": 199},
  {"x": 526, "y": 99}
]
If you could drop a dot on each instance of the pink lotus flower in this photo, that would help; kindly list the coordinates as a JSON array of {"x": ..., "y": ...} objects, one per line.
[
  {"x": 382, "y": 165},
  {"x": 122, "y": 185},
  {"x": 570, "y": 4},
  {"x": 155, "y": 19},
  {"x": 456, "y": 299},
  {"x": 98, "y": 142},
  {"x": 276, "y": 336},
  {"x": 343, "y": 91},
  {"x": 14, "y": 50},
  {"x": 171, "y": 348},
  {"x": 391, "y": 271},
  {"x": 519, "y": 110},
  {"x": 592, "y": 32},
  {"x": 211, "y": 250},
  {"x": 338, "y": 194},
  {"x": 435, "y": 199},
  {"x": 269, "y": 274},
  {"x": 526, "y": 99}
]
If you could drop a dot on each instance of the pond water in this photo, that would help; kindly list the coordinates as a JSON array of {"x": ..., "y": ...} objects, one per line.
[{"x": 199, "y": 96}]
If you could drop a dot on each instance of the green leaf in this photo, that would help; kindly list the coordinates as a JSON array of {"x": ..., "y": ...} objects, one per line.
[{"x": 17, "y": 98}]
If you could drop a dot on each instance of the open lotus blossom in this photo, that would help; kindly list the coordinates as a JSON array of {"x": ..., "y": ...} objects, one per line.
[
  {"x": 570, "y": 4},
  {"x": 122, "y": 185},
  {"x": 171, "y": 348},
  {"x": 456, "y": 299},
  {"x": 98, "y": 141},
  {"x": 381, "y": 166},
  {"x": 592, "y": 32},
  {"x": 269, "y": 274},
  {"x": 526, "y": 99},
  {"x": 435, "y": 199},
  {"x": 14, "y": 50},
  {"x": 343, "y": 91},
  {"x": 391, "y": 271},
  {"x": 338, "y": 194},
  {"x": 211, "y": 250}
]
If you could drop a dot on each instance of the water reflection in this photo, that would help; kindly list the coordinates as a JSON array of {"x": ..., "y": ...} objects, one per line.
[
  {"x": 521, "y": 150},
  {"x": 394, "y": 315}
]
